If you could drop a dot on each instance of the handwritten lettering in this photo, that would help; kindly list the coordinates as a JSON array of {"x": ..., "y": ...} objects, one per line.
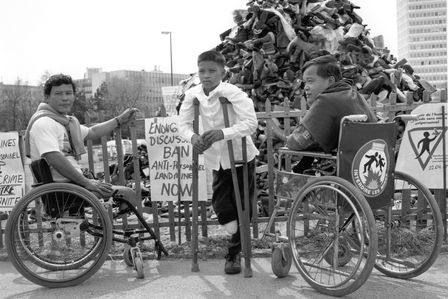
[
  {"x": 8, "y": 201},
  {"x": 4, "y": 156},
  {"x": 11, "y": 179},
  {"x": 7, "y": 190},
  {"x": 173, "y": 189},
  {"x": 160, "y": 128},
  {"x": 169, "y": 152},
  {"x": 7, "y": 143}
]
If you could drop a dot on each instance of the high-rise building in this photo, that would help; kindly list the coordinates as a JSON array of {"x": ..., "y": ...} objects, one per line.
[{"x": 422, "y": 38}]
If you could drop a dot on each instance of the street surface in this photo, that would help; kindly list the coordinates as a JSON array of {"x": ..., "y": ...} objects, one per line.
[{"x": 172, "y": 278}]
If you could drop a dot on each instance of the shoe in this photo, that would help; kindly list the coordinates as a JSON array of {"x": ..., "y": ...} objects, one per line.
[{"x": 233, "y": 264}]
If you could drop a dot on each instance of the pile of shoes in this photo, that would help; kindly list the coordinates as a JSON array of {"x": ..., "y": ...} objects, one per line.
[{"x": 272, "y": 39}]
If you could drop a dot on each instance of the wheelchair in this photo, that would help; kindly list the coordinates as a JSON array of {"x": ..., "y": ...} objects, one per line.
[
  {"x": 60, "y": 234},
  {"x": 368, "y": 216}
]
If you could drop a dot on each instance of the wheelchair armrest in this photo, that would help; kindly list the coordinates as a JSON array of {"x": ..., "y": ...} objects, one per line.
[
  {"x": 407, "y": 117},
  {"x": 316, "y": 154},
  {"x": 355, "y": 118}
]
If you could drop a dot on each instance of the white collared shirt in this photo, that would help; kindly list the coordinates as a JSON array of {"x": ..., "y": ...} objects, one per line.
[{"x": 242, "y": 117}]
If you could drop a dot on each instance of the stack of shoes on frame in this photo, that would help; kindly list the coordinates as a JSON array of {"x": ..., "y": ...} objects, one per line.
[{"x": 272, "y": 39}]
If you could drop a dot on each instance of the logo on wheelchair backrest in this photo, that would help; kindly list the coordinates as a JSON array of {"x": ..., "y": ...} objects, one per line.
[{"x": 370, "y": 167}]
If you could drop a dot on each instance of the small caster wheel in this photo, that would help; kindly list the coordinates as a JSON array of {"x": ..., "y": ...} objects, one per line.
[
  {"x": 344, "y": 253},
  {"x": 127, "y": 257},
  {"x": 281, "y": 261},
  {"x": 138, "y": 264}
]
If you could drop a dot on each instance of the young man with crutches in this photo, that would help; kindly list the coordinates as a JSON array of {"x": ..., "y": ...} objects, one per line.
[{"x": 213, "y": 144}]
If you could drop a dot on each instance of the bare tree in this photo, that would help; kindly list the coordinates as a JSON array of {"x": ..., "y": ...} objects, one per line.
[
  {"x": 121, "y": 94},
  {"x": 18, "y": 102}
]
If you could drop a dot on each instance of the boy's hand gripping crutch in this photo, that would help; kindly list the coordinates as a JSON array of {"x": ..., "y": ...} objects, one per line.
[{"x": 243, "y": 215}]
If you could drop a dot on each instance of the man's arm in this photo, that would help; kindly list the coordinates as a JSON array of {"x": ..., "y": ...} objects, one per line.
[
  {"x": 60, "y": 163},
  {"x": 106, "y": 127},
  {"x": 300, "y": 139}
]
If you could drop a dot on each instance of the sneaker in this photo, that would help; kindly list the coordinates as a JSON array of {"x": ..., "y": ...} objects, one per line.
[{"x": 233, "y": 264}]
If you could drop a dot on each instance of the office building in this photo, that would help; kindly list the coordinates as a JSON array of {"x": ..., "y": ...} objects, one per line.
[{"x": 422, "y": 38}]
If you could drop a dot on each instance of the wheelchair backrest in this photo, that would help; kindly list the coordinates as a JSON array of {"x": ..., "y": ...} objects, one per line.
[
  {"x": 366, "y": 159},
  {"x": 41, "y": 172}
]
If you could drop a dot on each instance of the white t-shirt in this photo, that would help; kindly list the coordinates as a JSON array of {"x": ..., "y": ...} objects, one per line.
[{"x": 47, "y": 135}]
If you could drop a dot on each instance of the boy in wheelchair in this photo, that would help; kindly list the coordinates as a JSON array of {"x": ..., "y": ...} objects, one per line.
[
  {"x": 58, "y": 139},
  {"x": 330, "y": 99}
]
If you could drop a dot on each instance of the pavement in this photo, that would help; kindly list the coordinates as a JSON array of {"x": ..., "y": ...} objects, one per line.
[{"x": 173, "y": 278}]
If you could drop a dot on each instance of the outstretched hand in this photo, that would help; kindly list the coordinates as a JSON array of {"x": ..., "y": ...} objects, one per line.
[{"x": 127, "y": 115}]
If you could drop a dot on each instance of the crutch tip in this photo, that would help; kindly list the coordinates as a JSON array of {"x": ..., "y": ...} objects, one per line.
[
  {"x": 248, "y": 272},
  {"x": 195, "y": 268}
]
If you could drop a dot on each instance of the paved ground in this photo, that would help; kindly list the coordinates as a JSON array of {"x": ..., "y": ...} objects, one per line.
[{"x": 172, "y": 278}]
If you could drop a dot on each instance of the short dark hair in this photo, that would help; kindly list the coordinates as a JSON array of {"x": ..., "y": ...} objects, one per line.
[
  {"x": 327, "y": 66},
  {"x": 214, "y": 56},
  {"x": 57, "y": 80}
]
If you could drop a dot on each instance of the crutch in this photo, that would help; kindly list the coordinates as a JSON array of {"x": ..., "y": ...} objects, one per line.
[
  {"x": 243, "y": 215},
  {"x": 195, "y": 197}
]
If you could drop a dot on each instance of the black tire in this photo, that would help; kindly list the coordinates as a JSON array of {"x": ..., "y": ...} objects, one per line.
[
  {"x": 281, "y": 261},
  {"x": 410, "y": 242},
  {"x": 138, "y": 264},
  {"x": 325, "y": 210},
  {"x": 127, "y": 257},
  {"x": 64, "y": 249}
]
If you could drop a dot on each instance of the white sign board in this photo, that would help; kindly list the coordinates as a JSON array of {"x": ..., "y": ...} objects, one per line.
[
  {"x": 170, "y": 96},
  {"x": 12, "y": 177},
  {"x": 166, "y": 148},
  {"x": 421, "y": 150}
]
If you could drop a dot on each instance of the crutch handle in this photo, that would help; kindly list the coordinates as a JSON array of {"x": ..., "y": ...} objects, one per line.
[{"x": 224, "y": 100}]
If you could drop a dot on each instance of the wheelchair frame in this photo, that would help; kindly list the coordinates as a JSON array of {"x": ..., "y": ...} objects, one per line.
[
  {"x": 336, "y": 242},
  {"x": 76, "y": 224}
]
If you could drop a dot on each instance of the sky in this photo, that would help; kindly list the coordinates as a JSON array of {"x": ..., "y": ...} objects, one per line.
[{"x": 59, "y": 36}]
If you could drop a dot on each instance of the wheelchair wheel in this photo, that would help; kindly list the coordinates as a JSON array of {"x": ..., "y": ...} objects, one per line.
[
  {"x": 410, "y": 232},
  {"x": 64, "y": 249},
  {"x": 330, "y": 215},
  {"x": 281, "y": 261}
]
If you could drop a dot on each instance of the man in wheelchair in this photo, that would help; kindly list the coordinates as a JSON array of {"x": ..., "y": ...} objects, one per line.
[
  {"x": 330, "y": 99},
  {"x": 56, "y": 138}
]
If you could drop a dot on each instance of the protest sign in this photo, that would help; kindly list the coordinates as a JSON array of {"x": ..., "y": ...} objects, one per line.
[
  {"x": 170, "y": 161},
  {"x": 421, "y": 150},
  {"x": 170, "y": 98},
  {"x": 12, "y": 177}
]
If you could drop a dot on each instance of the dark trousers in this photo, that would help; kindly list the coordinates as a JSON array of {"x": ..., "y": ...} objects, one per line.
[{"x": 224, "y": 202}]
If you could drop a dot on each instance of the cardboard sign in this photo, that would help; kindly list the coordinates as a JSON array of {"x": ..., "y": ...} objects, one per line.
[
  {"x": 170, "y": 96},
  {"x": 421, "y": 151},
  {"x": 166, "y": 148},
  {"x": 12, "y": 176}
]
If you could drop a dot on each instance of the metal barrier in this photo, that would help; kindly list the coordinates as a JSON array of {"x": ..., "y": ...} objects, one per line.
[{"x": 175, "y": 224}]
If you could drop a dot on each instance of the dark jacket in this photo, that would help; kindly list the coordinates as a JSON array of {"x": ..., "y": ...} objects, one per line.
[{"x": 324, "y": 117}]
